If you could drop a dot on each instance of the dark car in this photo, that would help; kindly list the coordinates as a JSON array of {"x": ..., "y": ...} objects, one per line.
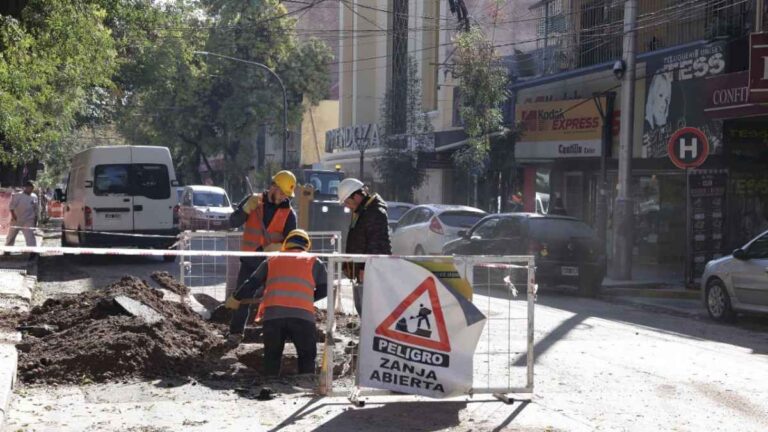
[{"x": 566, "y": 249}]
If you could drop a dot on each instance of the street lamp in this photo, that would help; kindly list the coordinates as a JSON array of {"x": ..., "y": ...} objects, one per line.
[{"x": 282, "y": 86}]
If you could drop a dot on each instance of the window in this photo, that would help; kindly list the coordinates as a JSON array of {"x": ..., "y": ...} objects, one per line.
[
  {"x": 210, "y": 199},
  {"x": 509, "y": 228},
  {"x": 486, "y": 229},
  {"x": 545, "y": 228},
  {"x": 408, "y": 218},
  {"x": 395, "y": 212},
  {"x": 461, "y": 219},
  {"x": 423, "y": 215},
  {"x": 151, "y": 181},
  {"x": 759, "y": 249},
  {"x": 147, "y": 180},
  {"x": 187, "y": 199},
  {"x": 111, "y": 180}
]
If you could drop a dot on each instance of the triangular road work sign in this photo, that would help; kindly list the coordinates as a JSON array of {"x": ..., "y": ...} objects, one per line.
[{"x": 420, "y": 337}]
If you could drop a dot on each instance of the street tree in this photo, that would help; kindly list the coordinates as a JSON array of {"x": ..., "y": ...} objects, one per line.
[
  {"x": 55, "y": 59},
  {"x": 209, "y": 106},
  {"x": 483, "y": 81},
  {"x": 397, "y": 162}
]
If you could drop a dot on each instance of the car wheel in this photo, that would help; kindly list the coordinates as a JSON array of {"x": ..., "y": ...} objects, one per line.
[
  {"x": 419, "y": 251},
  {"x": 719, "y": 302}
]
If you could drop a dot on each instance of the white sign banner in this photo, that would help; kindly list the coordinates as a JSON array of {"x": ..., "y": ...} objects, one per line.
[
  {"x": 418, "y": 336},
  {"x": 557, "y": 149}
]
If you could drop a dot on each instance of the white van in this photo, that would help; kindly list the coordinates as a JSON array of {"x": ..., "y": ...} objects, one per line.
[{"x": 121, "y": 189}]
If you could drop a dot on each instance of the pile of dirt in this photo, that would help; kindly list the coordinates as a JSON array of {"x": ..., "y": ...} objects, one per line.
[
  {"x": 100, "y": 335},
  {"x": 165, "y": 280}
]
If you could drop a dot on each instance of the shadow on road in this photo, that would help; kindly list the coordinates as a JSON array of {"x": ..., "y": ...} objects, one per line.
[
  {"x": 397, "y": 416},
  {"x": 748, "y": 332}
]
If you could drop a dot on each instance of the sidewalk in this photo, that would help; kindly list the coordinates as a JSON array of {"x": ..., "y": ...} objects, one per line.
[
  {"x": 18, "y": 275},
  {"x": 656, "y": 287}
]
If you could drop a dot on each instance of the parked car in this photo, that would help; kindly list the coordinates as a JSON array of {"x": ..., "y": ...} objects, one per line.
[
  {"x": 396, "y": 210},
  {"x": 119, "y": 189},
  {"x": 738, "y": 282},
  {"x": 424, "y": 229},
  {"x": 565, "y": 249},
  {"x": 204, "y": 208}
]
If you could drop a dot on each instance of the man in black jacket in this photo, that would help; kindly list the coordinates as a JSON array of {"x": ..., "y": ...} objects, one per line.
[{"x": 368, "y": 232}]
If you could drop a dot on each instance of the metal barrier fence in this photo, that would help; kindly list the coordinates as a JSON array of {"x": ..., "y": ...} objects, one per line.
[
  {"x": 216, "y": 276},
  {"x": 504, "y": 290}
]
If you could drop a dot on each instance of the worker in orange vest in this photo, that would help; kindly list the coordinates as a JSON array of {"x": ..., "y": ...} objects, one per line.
[
  {"x": 268, "y": 218},
  {"x": 289, "y": 286}
]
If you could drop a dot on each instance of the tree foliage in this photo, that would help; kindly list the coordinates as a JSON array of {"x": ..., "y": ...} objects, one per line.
[
  {"x": 130, "y": 64},
  {"x": 208, "y": 106},
  {"x": 483, "y": 83},
  {"x": 57, "y": 58},
  {"x": 399, "y": 155}
]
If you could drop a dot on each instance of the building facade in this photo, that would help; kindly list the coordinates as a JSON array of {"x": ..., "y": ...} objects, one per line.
[{"x": 692, "y": 71}]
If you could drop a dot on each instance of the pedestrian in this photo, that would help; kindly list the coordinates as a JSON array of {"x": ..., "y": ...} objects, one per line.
[
  {"x": 24, "y": 209},
  {"x": 268, "y": 218},
  {"x": 368, "y": 231},
  {"x": 288, "y": 286}
]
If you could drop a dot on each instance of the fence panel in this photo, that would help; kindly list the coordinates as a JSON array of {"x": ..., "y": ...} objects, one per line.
[
  {"x": 216, "y": 276},
  {"x": 503, "y": 290}
]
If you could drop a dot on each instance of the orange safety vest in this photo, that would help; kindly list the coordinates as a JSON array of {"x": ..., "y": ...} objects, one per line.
[
  {"x": 290, "y": 284},
  {"x": 254, "y": 234}
]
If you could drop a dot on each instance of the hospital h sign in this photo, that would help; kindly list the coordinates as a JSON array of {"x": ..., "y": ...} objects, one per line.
[{"x": 688, "y": 148}]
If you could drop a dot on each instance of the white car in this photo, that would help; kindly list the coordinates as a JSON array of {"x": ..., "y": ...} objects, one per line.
[
  {"x": 738, "y": 282},
  {"x": 204, "y": 208},
  {"x": 424, "y": 229}
]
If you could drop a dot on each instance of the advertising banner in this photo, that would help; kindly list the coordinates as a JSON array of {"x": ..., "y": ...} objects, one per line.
[
  {"x": 676, "y": 97},
  {"x": 418, "y": 335},
  {"x": 559, "y": 129}
]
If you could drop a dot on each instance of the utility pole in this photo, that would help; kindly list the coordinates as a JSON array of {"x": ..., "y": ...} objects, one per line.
[
  {"x": 606, "y": 113},
  {"x": 623, "y": 214}
]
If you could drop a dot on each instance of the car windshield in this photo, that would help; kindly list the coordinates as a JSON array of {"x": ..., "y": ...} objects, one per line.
[
  {"x": 460, "y": 219},
  {"x": 395, "y": 212},
  {"x": 210, "y": 199},
  {"x": 559, "y": 228}
]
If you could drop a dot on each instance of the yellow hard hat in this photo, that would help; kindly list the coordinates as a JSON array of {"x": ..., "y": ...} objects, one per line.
[
  {"x": 286, "y": 181},
  {"x": 297, "y": 238}
]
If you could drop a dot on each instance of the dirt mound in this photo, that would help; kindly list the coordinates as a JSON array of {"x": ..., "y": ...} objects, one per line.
[
  {"x": 165, "y": 280},
  {"x": 95, "y": 338}
]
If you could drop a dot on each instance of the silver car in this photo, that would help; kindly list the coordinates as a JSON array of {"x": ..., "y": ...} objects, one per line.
[
  {"x": 424, "y": 229},
  {"x": 738, "y": 282}
]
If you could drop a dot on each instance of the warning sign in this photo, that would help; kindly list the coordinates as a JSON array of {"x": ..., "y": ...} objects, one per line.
[{"x": 418, "y": 336}]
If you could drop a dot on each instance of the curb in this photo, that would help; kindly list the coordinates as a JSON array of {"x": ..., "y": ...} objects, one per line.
[
  {"x": 656, "y": 307},
  {"x": 672, "y": 293},
  {"x": 8, "y": 355}
]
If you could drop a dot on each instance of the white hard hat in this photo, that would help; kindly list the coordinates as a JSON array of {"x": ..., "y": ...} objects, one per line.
[{"x": 347, "y": 187}]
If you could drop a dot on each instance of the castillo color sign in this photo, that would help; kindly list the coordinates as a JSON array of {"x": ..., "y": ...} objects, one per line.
[
  {"x": 567, "y": 128},
  {"x": 688, "y": 148}
]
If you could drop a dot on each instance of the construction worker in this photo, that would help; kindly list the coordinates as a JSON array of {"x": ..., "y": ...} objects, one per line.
[
  {"x": 24, "y": 209},
  {"x": 368, "y": 231},
  {"x": 288, "y": 286},
  {"x": 268, "y": 219}
]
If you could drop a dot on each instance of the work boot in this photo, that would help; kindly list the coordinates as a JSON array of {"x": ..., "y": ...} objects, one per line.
[{"x": 234, "y": 339}]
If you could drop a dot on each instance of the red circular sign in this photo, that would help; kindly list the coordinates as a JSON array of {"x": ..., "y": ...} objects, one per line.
[{"x": 688, "y": 148}]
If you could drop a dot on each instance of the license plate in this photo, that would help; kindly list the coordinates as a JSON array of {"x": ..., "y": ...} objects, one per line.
[
  {"x": 569, "y": 271},
  {"x": 112, "y": 216}
]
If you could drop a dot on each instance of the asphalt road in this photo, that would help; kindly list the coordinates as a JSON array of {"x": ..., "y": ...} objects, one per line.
[{"x": 599, "y": 366}]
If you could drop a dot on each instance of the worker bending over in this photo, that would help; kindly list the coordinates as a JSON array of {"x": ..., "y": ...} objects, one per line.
[
  {"x": 288, "y": 286},
  {"x": 268, "y": 218}
]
